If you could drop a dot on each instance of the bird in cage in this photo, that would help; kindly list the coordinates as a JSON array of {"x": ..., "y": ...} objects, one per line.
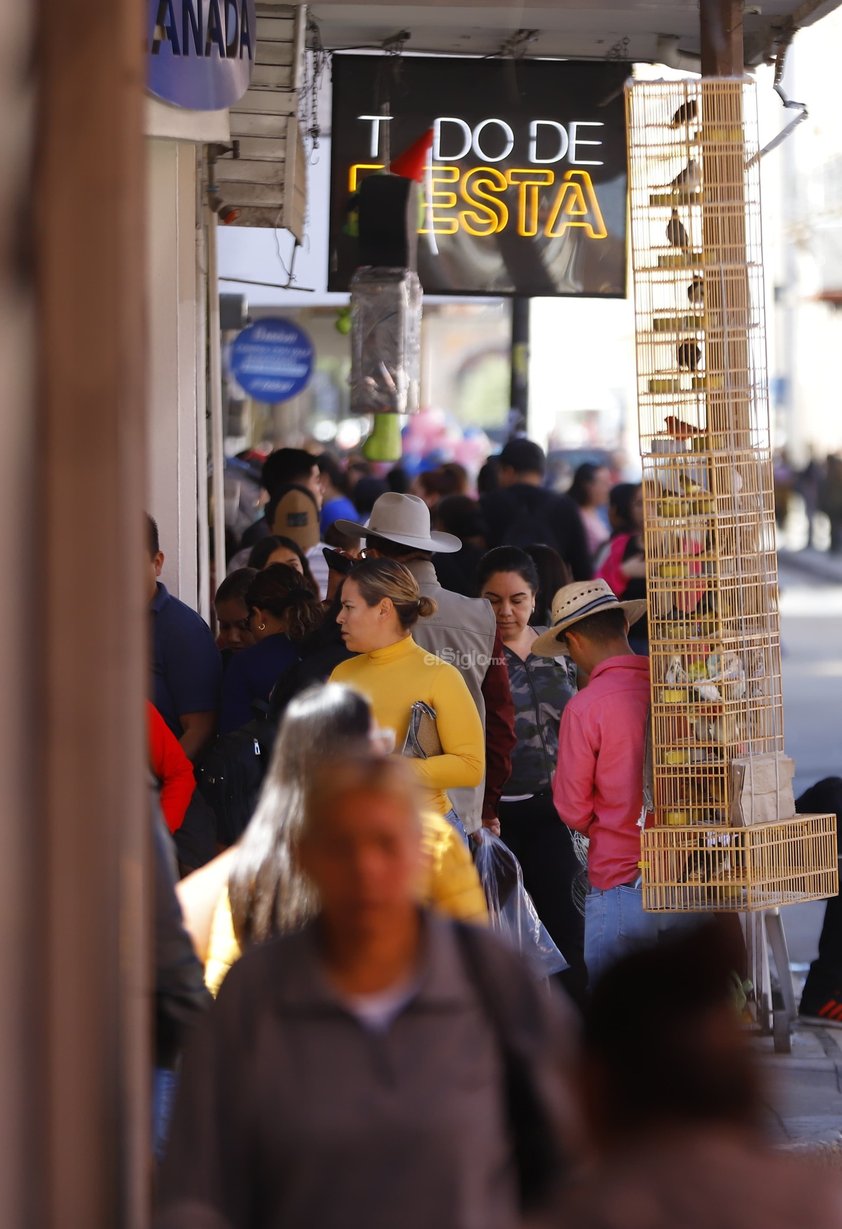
[
  {"x": 689, "y": 177},
  {"x": 677, "y": 232},
  {"x": 685, "y": 114},
  {"x": 681, "y": 430},
  {"x": 696, "y": 291},
  {"x": 689, "y": 355}
]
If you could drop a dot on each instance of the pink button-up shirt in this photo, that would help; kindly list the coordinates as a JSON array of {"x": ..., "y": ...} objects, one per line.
[{"x": 598, "y": 785}]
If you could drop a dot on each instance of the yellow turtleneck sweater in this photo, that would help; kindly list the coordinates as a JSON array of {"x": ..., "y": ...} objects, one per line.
[{"x": 393, "y": 679}]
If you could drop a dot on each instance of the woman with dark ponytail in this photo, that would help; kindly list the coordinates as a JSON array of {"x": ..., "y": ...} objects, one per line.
[{"x": 282, "y": 611}]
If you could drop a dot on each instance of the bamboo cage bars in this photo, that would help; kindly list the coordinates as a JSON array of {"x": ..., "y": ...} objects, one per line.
[{"x": 711, "y": 563}]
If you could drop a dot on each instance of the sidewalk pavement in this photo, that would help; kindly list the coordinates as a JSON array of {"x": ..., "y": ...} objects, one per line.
[
  {"x": 804, "y": 1090},
  {"x": 816, "y": 563}
]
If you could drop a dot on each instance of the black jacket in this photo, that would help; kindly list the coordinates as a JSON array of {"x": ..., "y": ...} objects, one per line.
[
  {"x": 180, "y": 994},
  {"x": 525, "y": 515}
]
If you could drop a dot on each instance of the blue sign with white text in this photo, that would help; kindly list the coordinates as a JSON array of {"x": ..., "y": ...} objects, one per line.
[
  {"x": 201, "y": 52},
  {"x": 272, "y": 359}
]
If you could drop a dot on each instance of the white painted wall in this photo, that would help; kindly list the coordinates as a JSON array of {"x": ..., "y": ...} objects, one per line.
[{"x": 175, "y": 362}]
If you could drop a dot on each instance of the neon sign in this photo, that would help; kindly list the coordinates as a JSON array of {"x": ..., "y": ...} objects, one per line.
[
  {"x": 475, "y": 201},
  {"x": 527, "y": 198}
]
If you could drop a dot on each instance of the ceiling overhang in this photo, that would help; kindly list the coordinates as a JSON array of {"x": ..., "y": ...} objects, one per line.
[{"x": 635, "y": 30}]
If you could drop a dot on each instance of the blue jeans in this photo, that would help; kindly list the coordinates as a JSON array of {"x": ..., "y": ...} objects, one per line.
[
  {"x": 165, "y": 1083},
  {"x": 615, "y": 925},
  {"x": 455, "y": 822}
]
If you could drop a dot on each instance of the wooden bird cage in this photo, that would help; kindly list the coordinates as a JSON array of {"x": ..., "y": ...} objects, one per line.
[
  {"x": 698, "y": 870},
  {"x": 711, "y": 563}
]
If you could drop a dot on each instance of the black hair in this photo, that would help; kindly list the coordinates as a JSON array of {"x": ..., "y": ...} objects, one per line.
[
  {"x": 488, "y": 478},
  {"x": 602, "y": 627},
  {"x": 460, "y": 515},
  {"x": 366, "y": 493},
  {"x": 524, "y": 457},
  {"x": 329, "y": 465},
  {"x": 620, "y": 502},
  {"x": 674, "y": 1001},
  {"x": 284, "y": 593},
  {"x": 553, "y": 574},
  {"x": 235, "y": 586},
  {"x": 582, "y": 480},
  {"x": 154, "y": 542},
  {"x": 506, "y": 559},
  {"x": 395, "y": 550},
  {"x": 262, "y": 551},
  {"x": 397, "y": 480},
  {"x": 448, "y": 479},
  {"x": 286, "y": 466}
]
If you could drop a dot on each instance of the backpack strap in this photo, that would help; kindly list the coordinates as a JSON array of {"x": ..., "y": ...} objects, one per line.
[{"x": 533, "y": 1132}]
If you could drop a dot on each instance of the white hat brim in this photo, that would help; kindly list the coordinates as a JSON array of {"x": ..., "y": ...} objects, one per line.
[
  {"x": 547, "y": 645},
  {"x": 437, "y": 542}
]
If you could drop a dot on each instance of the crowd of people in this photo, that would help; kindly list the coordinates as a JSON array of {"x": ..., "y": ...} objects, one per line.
[
  {"x": 400, "y": 680},
  {"x": 817, "y": 485}
]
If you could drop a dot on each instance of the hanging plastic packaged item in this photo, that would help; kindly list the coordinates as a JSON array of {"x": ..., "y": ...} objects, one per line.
[
  {"x": 385, "y": 341},
  {"x": 510, "y": 906}
]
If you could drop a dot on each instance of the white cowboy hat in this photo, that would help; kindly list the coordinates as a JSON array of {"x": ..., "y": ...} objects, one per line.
[
  {"x": 579, "y": 601},
  {"x": 404, "y": 519}
]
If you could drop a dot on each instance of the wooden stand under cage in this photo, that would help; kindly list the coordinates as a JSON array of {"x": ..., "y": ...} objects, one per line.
[{"x": 711, "y": 564}]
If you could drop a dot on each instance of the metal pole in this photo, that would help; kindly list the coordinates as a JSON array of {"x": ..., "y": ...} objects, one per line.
[
  {"x": 215, "y": 404},
  {"x": 204, "y": 595},
  {"x": 519, "y": 396}
]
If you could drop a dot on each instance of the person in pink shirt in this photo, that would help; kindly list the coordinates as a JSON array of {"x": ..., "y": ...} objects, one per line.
[{"x": 598, "y": 784}]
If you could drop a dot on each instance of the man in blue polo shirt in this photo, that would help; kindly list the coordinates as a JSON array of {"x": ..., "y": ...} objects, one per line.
[{"x": 186, "y": 666}]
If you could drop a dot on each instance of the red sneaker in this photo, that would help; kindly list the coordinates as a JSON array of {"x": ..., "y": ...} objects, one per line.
[{"x": 827, "y": 1014}]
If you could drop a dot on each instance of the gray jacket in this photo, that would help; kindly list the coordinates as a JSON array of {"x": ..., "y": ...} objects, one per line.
[
  {"x": 462, "y": 632},
  {"x": 292, "y": 1114}
]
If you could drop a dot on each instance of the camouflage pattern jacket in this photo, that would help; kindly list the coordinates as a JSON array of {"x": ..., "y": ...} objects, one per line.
[{"x": 541, "y": 686}]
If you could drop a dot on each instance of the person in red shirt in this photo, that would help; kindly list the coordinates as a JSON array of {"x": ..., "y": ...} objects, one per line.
[
  {"x": 171, "y": 768},
  {"x": 598, "y": 784}
]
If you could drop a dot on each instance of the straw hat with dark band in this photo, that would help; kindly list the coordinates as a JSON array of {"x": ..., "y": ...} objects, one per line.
[{"x": 579, "y": 601}]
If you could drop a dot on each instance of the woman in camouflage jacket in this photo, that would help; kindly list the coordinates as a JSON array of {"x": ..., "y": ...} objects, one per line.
[{"x": 530, "y": 826}]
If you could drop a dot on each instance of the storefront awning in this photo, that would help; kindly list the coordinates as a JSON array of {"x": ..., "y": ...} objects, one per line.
[{"x": 621, "y": 29}]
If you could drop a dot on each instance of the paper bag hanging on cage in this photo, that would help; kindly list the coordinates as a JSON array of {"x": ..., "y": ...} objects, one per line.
[
  {"x": 385, "y": 341},
  {"x": 761, "y": 789}
]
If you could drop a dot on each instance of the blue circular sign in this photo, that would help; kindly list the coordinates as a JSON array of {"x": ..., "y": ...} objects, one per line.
[
  {"x": 201, "y": 52},
  {"x": 272, "y": 359}
]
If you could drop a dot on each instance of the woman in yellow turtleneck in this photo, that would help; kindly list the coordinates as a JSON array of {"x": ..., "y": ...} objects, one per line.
[{"x": 381, "y": 603}]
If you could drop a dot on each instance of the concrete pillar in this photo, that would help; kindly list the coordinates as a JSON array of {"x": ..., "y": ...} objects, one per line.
[
  {"x": 20, "y": 486},
  {"x": 77, "y": 681},
  {"x": 176, "y": 363}
]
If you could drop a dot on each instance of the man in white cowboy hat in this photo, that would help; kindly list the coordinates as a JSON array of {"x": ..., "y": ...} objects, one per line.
[
  {"x": 463, "y": 631},
  {"x": 598, "y": 786}
]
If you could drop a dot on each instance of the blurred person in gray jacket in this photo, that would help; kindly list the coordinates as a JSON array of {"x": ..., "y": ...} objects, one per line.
[{"x": 382, "y": 1067}]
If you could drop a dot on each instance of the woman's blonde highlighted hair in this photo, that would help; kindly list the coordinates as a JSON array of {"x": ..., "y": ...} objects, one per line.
[{"x": 377, "y": 579}]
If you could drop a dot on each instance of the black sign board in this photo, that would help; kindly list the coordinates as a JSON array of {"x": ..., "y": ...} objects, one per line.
[{"x": 524, "y": 186}]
